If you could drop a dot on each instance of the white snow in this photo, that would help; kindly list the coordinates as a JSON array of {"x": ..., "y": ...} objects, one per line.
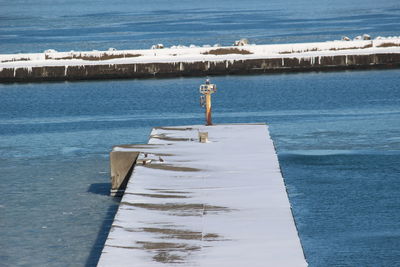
[
  {"x": 230, "y": 209},
  {"x": 195, "y": 54}
]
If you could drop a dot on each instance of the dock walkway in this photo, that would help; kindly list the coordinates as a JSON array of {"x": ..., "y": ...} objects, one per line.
[{"x": 220, "y": 203}]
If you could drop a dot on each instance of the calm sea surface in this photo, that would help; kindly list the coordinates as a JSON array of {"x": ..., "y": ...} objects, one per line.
[{"x": 337, "y": 133}]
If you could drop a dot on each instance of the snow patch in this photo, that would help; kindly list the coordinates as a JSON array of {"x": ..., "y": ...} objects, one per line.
[{"x": 193, "y": 53}]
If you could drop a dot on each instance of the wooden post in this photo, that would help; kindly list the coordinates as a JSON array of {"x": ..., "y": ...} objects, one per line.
[
  {"x": 208, "y": 109},
  {"x": 206, "y": 90}
]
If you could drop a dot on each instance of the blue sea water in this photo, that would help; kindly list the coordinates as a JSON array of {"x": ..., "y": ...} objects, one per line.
[
  {"x": 337, "y": 133},
  {"x": 37, "y": 25}
]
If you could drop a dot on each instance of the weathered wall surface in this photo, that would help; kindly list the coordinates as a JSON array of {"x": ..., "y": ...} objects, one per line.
[
  {"x": 121, "y": 165},
  {"x": 200, "y": 68}
]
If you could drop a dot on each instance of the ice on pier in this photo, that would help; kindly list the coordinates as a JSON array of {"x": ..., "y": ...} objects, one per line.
[
  {"x": 181, "y": 53},
  {"x": 220, "y": 203}
]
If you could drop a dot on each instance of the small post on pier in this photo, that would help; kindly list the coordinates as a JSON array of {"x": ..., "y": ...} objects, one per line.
[{"x": 205, "y": 100}]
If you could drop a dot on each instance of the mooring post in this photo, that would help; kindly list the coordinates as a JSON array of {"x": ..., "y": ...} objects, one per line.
[{"x": 205, "y": 100}]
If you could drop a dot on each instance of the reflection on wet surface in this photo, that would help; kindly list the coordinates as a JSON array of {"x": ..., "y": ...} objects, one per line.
[
  {"x": 166, "y": 257},
  {"x": 166, "y": 246},
  {"x": 171, "y": 252},
  {"x": 168, "y": 167},
  {"x": 143, "y": 146},
  {"x": 157, "y": 195},
  {"x": 167, "y": 252},
  {"x": 121, "y": 227},
  {"x": 179, "y": 209},
  {"x": 168, "y": 233},
  {"x": 174, "y": 129},
  {"x": 168, "y": 191},
  {"x": 161, "y": 154},
  {"x": 169, "y": 138}
]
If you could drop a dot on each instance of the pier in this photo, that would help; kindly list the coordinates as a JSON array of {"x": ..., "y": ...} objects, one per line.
[{"x": 204, "y": 196}]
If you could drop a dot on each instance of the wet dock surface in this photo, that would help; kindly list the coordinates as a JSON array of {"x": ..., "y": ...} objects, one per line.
[{"x": 220, "y": 203}]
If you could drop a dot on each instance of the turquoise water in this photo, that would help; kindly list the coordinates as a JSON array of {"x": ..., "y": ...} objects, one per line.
[{"x": 337, "y": 133}]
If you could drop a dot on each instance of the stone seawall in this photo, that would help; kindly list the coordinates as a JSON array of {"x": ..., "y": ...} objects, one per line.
[{"x": 198, "y": 68}]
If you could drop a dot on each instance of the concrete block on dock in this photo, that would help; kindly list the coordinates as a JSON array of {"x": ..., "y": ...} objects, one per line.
[{"x": 203, "y": 137}]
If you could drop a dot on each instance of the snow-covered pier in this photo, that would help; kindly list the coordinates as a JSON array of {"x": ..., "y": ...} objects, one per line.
[
  {"x": 217, "y": 203},
  {"x": 200, "y": 61}
]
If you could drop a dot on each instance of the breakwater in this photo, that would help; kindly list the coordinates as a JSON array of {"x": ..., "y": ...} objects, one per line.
[
  {"x": 151, "y": 70},
  {"x": 173, "y": 62}
]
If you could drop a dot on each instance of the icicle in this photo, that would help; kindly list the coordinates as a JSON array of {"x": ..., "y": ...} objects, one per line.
[
  {"x": 65, "y": 70},
  {"x": 181, "y": 66},
  {"x": 283, "y": 62},
  {"x": 346, "y": 59}
]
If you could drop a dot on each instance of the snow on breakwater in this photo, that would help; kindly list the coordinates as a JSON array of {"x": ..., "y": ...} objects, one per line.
[{"x": 207, "y": 60}]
